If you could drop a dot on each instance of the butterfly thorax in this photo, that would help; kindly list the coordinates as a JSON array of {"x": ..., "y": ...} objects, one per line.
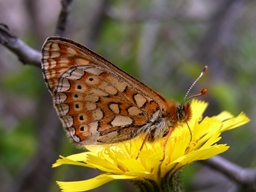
[{"x": 174, "y": 115}]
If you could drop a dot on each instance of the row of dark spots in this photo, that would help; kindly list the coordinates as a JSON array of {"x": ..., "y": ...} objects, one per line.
[
  {"x": 80, "y": 86},
  {"x": 76, "y": 105},
  {"x": 82, "y": 127}
]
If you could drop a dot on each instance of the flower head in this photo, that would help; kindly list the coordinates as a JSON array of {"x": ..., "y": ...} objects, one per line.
[{"x": 146, "y": 167}]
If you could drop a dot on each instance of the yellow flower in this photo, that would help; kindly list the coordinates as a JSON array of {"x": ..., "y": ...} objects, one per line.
[{"x": 149, "y": 171}]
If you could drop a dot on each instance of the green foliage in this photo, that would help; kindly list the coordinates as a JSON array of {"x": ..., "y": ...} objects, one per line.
[
  {"x": 31, "y": 86},
  {"x": 17, "y": 145}
]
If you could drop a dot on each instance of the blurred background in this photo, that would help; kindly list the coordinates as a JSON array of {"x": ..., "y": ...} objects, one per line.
[{"x": 164, "y": 43}]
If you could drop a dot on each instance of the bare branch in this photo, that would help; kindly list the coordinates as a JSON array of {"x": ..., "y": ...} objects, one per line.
[
  {"x": 245, "y": 177},
  {"x": 26, "y": 54},
  {"x": 63, "y": 17}
]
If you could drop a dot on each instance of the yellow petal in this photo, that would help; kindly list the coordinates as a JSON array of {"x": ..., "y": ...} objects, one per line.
[
  {"x": 66, "y": 161},
  {"x": 76, "y": 186},
  {"x": 235, "y": 122}
]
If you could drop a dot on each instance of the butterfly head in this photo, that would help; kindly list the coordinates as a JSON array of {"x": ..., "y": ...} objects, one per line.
[{"x": 183, "y": 112}]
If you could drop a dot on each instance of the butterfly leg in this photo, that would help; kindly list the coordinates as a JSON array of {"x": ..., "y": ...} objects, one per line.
[
  {"x": 143, "y": 143},
  {"x": 165, "y": 142}
]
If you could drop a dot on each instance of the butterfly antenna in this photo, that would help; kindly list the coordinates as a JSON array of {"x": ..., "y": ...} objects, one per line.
[
  {"x": 190, "y": 132},
  {"x": 203, "y": 92}
]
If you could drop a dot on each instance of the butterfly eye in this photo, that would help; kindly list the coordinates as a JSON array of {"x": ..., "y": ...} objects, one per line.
[
  {"x": 183, "y": 112},
  {"x": 180, "y": 112}
]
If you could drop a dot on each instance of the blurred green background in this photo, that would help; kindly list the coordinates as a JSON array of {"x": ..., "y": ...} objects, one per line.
[{"x": 164, "y": 43}]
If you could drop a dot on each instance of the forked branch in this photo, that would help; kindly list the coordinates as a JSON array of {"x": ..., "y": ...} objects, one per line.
[
  {"x": 26, "y": 54},
  {"x": 242, "y": 176}
]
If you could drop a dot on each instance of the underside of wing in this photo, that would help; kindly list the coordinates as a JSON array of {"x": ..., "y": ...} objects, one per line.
[
  {"x": 96, "y": 101},
  {"x": 96, "y": 106}
]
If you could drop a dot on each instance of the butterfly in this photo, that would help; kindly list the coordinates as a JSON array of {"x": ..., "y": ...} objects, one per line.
[{"x": 98, "y": 103}]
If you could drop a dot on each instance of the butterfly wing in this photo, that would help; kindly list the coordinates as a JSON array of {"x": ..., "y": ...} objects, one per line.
[{"x": 96, "y": 101}]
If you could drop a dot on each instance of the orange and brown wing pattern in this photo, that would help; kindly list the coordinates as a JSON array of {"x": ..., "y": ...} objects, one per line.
[
  {"x": 59, "y": 54},
  {"x": 97, "y": 102}
]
